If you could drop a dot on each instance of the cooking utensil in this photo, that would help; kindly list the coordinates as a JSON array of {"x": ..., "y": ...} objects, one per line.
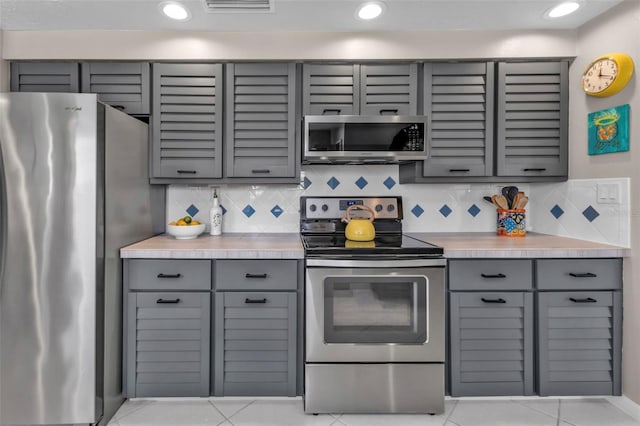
[
  {"x": 510, "y": 192},
  {"x": 522, "y": 202},
  {"x": 487, "y": 198},
  {"x": 500, "y": 201},
  {"x": 359, "y": 228}
]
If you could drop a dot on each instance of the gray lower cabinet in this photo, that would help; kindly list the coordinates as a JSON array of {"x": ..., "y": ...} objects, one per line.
[
  {"x": 168, "y": 344},
  {"x": 360, "y": 89},
  {"x": 579, "y": 326},
  {"x": 167, "y": 327},
  {"x": 491, "y": 331},
  {"x": 256, "y": 327}
]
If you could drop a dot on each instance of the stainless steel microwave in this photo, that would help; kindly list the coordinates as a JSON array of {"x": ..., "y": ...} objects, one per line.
[{"x": 358, "y": 139}]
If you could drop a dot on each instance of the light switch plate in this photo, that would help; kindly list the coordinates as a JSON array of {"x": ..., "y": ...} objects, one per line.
[{"x": 608, "y": 193}]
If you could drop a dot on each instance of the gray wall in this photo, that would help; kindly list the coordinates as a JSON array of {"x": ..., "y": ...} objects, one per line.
[{"x": 618, "y": 30}]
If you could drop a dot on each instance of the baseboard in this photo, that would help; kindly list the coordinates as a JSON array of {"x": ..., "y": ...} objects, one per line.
[{"x": 626, "y": 405}]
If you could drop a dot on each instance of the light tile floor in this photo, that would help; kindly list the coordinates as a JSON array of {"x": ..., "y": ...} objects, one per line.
[{"x": 290, "y": 412}]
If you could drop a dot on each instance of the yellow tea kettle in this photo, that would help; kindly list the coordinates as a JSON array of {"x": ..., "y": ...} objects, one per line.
[{"x": 359, "y": 229}]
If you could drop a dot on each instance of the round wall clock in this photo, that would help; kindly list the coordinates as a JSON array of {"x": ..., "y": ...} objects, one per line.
[{"x": 606, "y": 75}]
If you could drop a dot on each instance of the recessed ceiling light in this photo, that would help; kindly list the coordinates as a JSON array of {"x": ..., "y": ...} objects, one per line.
[
  {"x": 370, "y": 10},
  {"x": 563, "y": 9},
  {"x": 175, "y": 11}
]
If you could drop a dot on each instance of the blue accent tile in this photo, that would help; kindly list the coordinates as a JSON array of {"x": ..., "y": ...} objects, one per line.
[
  {"x": 224, "y": 211},
  {"x": 192, "y": 210},
  {"x": 590, "y": 213},
  {"x": 248, "y": 210},
  {"x": 361, "y": 182},
  {"x": 277, "y": 210},
  {"x": 306, "y": 183},
  {"x": 557, "y": 211},
  {"x": 445, "y": 210},
  {"x": 473, "y": 210},
  {"x": 417, "y": 210},
  {"x": 389, "y": 182},
  {"x": 333, "y": 182}
]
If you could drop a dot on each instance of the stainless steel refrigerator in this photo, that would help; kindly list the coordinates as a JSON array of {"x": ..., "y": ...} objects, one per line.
[{"x": 74, "y": 188}]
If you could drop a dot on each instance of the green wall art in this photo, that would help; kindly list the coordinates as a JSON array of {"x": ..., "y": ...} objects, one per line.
[{"x": 609, "y": 130}]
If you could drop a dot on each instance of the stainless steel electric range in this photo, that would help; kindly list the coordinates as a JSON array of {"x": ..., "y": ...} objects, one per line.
[{"x": 374, "y": 313}]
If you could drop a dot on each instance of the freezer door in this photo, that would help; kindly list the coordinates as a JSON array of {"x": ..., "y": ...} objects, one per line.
[{"x": 49, "y": 263}]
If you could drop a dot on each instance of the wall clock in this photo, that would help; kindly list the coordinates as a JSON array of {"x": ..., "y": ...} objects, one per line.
[{"x": 608, "y": 74}]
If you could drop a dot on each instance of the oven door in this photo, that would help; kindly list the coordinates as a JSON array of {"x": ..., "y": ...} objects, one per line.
[{"x": 375, "y": 311}]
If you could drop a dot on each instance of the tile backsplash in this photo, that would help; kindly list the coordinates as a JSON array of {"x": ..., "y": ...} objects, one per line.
[{"x": 427, "y": 207}]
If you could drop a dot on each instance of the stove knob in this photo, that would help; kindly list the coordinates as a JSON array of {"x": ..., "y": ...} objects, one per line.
[
  {"x": 313, "y": 207},
  {"x": 325, "y": 207},
  {"x": 378, "y": 207},
  {"x": 391, "y": 208}
]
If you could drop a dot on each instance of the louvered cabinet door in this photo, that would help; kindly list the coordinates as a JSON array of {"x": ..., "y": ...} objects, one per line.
[
  {"x": 123, "y": 85},
  {"x": 261, "y": 125},
  {"x": 459, "y": 102},
  {"x": 491, "y": 343},
  {"x": 45, "y": 77},
  {"x": 255, "y": 344},
  {"x": 168, "y": 344},
  {"x": 187, "y": 121},
  {"x": 330, "y": 89},
  {"x": 579, "y": 343},
  {"x": 532, "y": 119},
  {"x": 389, "y": 89}
]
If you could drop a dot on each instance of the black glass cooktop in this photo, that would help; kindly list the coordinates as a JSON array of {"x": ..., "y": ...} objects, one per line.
[{"x": 337, "y": 244}]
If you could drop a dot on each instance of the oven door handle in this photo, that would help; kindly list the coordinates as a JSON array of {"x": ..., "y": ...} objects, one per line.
[{"x": 359, "y": 263}]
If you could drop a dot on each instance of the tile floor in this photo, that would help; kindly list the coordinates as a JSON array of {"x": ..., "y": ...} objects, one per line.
[{"x": 289, "y": 412}]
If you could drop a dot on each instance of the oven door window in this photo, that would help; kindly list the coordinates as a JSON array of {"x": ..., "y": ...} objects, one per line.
[{"x": 389, "y": 309}]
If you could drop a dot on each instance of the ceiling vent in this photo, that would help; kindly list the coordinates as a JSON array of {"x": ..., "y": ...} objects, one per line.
[{"x": 221, "y": 6}]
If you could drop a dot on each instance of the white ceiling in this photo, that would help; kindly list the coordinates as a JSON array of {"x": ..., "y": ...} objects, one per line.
[{"x": 295, "y": 15}]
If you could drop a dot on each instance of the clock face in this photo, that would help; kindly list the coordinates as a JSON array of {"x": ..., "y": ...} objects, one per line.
[{"x": 599, "y": 76}]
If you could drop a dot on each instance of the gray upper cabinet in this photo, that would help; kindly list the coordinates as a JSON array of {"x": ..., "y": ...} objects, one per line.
[
  {"x": 532, "y": 119},
  {"x": 459, "y": 105},
  {"x": 360, "y": 89},
  {"x": 45, "y": 77},
  {"x": 260, "y": 136},
  {"x": 187, "y": 124},
  {"x": 123, "y": 85}
]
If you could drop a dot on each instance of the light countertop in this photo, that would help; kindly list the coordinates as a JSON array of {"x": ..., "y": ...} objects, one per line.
[{"x": 289, "y": 246}]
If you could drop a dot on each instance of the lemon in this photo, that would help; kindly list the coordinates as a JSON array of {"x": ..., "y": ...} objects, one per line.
[
  {"x": 173, "y": 222},
  {"x": 194, "y": 222},
  {"x": 181, "y": 222}
]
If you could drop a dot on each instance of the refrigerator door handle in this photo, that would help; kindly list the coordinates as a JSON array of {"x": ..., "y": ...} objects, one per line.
[{"x": 3, "y": 220}]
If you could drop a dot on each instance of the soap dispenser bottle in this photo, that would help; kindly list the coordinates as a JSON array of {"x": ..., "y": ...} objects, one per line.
[{"x": 215, "y": 216}]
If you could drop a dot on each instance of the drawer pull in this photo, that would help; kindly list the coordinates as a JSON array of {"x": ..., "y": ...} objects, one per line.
[
  {"x": 493, "y": 276},
  {"x": 189, "y": 172},
  {"x": 248, "y": 275},
  {"x": 247, "y": 300},
  {"x": 500, "y": 300},
  {"x": 120, "y": 107},
  {"x": 540, "y": 169},
  {"x": 335, "y": 111},
  {"x": 585, "y": 275},
  {"x": 460, "y": 170},
  {"x": 260, "y": 171},
  {"x": 169, "y": 275},
  {"x": 587, "y": 300},
  {"x": 168, "y": 301},
  {"x": 390, "y": 111}
]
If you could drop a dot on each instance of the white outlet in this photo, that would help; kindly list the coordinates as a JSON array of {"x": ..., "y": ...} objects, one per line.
[{"x": 608, "y": 193}]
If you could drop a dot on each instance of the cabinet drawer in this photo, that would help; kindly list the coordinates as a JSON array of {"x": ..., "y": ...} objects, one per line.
[
  {"x": 490, "y": 274},
  {"x": 152, "y": 274},
  {"x": 579, "y": 274},
  {"x": 256, "y": 275}
]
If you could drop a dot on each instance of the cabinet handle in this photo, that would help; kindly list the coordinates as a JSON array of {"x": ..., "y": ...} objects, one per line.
[
  {"x": 585, "y": 275},
  {"x": 460, "y": 170},
  {"x": 493, "y": 276},
  {"x": 120, "y": 107},
  {"x": 587, "y": 300},
  {"x": 248, "y": 275},
  {"x": 260, "y": 171},
  {"x": 335, "y": 110},
  {"x": 168, "y": 301},
  {"x": 500, "y": 300},
  {"x": 169, "y": 275},
  {"x": 542, "y": 169},
  {"x": 247, "y": 300},
  {"x": 189, "y": 172},
  {"x": 392, "y": 111}
]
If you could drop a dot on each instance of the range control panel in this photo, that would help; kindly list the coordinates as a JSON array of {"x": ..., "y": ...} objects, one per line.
[{"x": 336, "y": 207}]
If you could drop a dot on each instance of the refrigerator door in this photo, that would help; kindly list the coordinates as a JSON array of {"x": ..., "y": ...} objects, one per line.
[{"x": 48, "y": 271}]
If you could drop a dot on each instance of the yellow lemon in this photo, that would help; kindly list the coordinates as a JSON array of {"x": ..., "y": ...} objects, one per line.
[
  {"x": 195, "y": 222},
  {"x": 181, "y": 222},
  {"x": 173, "y": 222}
]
